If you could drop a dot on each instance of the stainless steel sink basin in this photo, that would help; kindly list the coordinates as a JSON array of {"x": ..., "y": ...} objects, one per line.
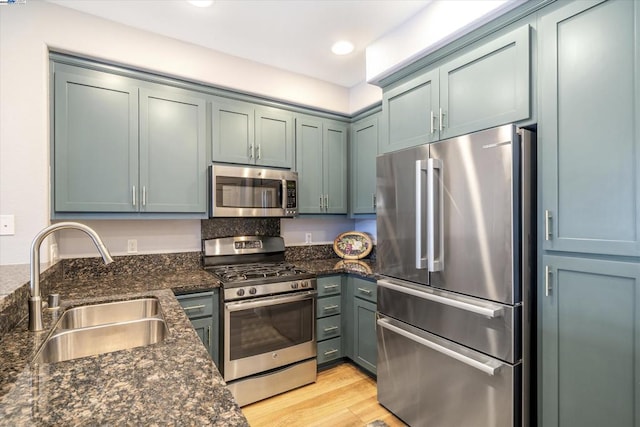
[
  {"x": 104, "y": 328},
  {"x": 110, "y": 312}
]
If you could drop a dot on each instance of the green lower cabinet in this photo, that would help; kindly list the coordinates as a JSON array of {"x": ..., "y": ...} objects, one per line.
[
  {"x": 329, "y": 319},
  {"x": 589, "y": 342},
  {"x": 365, "y": 350},
  {"x": 202, "y": 310}
]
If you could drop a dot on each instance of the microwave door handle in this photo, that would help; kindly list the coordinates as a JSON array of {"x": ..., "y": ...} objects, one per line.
[
  {"x": 284, "y": 194},
  {"x": 421, "y": 262},
  {"x": 435, "y": 215}
]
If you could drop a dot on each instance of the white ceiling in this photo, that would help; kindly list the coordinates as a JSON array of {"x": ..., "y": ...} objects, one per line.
[{"x": 294, "y": 35}]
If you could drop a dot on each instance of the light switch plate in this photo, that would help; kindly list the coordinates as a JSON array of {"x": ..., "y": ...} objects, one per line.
[{"x": 7, "y": 225}]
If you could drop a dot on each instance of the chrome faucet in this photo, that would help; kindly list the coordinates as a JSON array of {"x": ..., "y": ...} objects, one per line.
[{"x": 35, "y": 300}]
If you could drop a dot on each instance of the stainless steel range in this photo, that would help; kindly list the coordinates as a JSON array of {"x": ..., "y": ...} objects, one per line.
[{"x": 267, "y": 316}]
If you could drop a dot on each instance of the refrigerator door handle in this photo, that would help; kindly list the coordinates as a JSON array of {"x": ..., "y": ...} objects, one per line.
[
  {"x": 435, "y": 264},
  {"x": 489, "y": 311},
  {"x": 490, "y": 368},
  {"x": 421, "y": 261}
]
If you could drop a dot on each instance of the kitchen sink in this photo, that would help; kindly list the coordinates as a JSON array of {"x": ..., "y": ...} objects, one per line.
[
  {"x": 104, "y": 328},
  {"x": 110, "y": 312}
]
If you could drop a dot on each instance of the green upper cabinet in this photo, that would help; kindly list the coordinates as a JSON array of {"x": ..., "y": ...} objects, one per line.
[
  {"x": 485, "y": 87},
  {"x": 321, "y": 162},
  {"x": 589, "y": 115},
  {"x": 122, "y": 145},
  {"x": 362, "y": 173},
  {"x": 590, "y": 330},
  {"x": 249, "y": 134},
  {"x": 410, "y": 113},
  {"x": 95, "y": 150},
  {"x": 172, "y": 151}
]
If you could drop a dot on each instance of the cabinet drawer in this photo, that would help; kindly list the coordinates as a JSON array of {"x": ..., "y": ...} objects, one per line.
[
  {"x": 328, "y": 327},
  {"x": 365, "y": 290},
  {"x": 328, "y": 306},
  {"x": 329, "y": 350},
  {"x": 197, "y": 305},
  {"x": 329, "y": 285}
]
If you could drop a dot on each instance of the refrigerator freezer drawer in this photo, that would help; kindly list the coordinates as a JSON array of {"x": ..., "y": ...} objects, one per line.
[
  {"x": 489, "y": 327},
  {"x": 429, "y": 381}
]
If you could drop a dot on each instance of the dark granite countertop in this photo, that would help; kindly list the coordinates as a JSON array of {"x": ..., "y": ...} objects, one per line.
[
  {"x": 173, "y": 382},
  {"x": 364, "y": 267}
]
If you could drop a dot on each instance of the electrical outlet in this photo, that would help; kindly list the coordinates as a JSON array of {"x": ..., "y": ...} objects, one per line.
[
  {"x": 132, "y": 246},
  {"x": 307, "y": 237},
  {"x": 7, "y": 225}
]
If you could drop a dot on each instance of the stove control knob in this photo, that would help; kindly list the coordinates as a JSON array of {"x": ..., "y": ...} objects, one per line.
[
  {"x": 305, "y": 284},
  {"x": 240, "y": 292},
  {"x": 252, "y": 291},
  {"x": 294, "y": 285}
]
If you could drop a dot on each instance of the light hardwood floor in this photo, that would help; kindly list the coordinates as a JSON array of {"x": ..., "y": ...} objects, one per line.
[{"x": 342, "y": 396}]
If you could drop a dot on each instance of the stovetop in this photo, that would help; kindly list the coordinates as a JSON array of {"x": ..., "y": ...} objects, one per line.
[{"x": 257, "y": 272}]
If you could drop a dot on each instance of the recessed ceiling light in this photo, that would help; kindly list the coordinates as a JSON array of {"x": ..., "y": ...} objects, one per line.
[
  {"x": 342, "y": 47},
  {"x": 201, "y": 3}
]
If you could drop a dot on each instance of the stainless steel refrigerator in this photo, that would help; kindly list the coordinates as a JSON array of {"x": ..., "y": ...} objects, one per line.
[{"x": 456, "y": 254}]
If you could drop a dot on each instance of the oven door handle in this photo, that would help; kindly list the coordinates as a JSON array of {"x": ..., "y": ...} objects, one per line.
[{"x": 263, "y": 302}]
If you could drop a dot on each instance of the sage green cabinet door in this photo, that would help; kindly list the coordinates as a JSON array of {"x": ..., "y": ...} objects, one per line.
[
  {"x": 365, "y": 351},
  {"x": 590, "y": 343},
  {"x": 233, "y": 132},
  {"x": 335, "y": 167},
  {"x": 362, "y": 174},
  {"x": 410, "y": 112},
  {"x": 589, "y": 111},
  {"x": 486, "y": 87},
  {"x": 172, "y": 151},
  {"x": 309, "y": 133},
  {"x": 274, "y": 137},
  {"x": 95, "y": 149}
]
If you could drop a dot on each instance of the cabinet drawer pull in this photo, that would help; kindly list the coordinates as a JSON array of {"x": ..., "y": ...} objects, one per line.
[
  {"x": 330, "y": 328},
  {"x": 365, "y": 291},
  {"x": 327, "y": 287},
  {"x": 194, "y": 307},
  {"x": 330, "y": 352},
  {"x": 330, "y": 307}
]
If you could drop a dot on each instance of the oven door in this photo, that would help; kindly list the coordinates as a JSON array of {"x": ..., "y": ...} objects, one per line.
[{"x": 265, "y": 333}]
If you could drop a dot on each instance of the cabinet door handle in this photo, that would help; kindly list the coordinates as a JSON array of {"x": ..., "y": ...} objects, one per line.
[
  {"x": 547, "y": 281},
  {"x": 433, "y": 124},
  {"x": 365, "y": 291},
  {"x": 375, "y": 201},
  {"x": 208, "y": 336},
  {"x": 194, "y": 307},
  {"x": 321, "y": 201},
  {"x": 251, "y": 151},
  {"x": 259, "y": 155},
  {"x": 144, "y": 195},
  {"x": 547, "y": 225},
  {"x": 330, "y": 307},
  {"x": 442, "y": 114},
  {"x": 133, "y": 195},
  {"x": 326, "y": 201},
  {"x": 330, "y": 352},
  {"x": 331, "y": 328}
]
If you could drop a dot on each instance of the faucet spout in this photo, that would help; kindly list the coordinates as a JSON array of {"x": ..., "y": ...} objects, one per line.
[{"x": 35, "y": 299}]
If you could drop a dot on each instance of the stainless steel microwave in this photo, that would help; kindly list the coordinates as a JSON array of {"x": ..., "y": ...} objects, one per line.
[{"x": 244, "y": 191}]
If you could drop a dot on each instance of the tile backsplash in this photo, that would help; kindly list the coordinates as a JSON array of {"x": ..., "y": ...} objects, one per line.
[{"x": 226, "y": 227}]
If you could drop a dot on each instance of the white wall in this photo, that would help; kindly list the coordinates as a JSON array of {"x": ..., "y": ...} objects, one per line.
[{"x": 26, "y": 34}]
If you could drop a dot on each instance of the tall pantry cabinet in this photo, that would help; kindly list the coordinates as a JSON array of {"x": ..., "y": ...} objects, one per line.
[{"x": 589, "y": 293}]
